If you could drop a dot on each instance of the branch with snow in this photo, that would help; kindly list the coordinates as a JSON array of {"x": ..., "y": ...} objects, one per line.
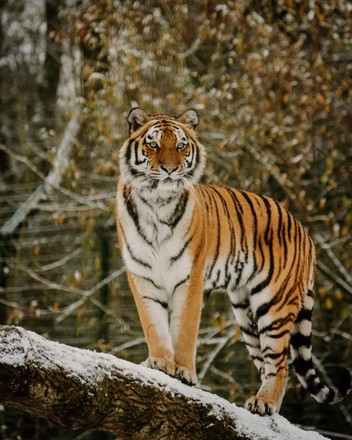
[{"x": 75, "y": 388}]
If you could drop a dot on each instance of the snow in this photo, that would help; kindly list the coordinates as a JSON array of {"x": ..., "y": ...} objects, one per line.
[{"x": 18, "y": 347}]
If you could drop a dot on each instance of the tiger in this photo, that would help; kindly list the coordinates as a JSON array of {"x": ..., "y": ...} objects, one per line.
[{"x": 181, "y": 240}]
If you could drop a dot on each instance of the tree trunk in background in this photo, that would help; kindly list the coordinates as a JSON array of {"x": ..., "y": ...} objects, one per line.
[{"x": 52, "y": 63}]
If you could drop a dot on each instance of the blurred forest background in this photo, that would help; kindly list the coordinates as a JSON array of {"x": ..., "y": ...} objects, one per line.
[{"x": 272, "y": 83}]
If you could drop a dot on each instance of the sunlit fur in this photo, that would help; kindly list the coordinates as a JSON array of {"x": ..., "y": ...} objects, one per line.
[{"x": 181, "y": 240}]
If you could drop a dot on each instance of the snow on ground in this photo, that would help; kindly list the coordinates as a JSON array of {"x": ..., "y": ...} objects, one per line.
[{"x": 16, "y": 348}]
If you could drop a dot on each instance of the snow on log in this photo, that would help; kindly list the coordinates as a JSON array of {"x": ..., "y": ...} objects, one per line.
[{"x": 80, "y": 389}]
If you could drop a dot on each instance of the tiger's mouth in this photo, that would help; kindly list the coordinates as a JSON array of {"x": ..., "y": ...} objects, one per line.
[
  {"x": 166, "y": 176},
  {"x": 161, "y": 180}
]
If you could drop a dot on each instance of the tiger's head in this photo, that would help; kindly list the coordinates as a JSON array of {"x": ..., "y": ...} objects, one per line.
[{"x": 162, "y": 151}]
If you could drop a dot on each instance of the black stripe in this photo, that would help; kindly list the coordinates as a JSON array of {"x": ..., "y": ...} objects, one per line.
[
  {"x": 284, "y": 241},
  {"x": 289, "y": 225},
  {"x": 132, "y": 211},
  {"x": 304, "y": 315},
  {"x": 267, "y": 235},
  {"x": 255, "y": 232},
  {"x": 278, "y": 323},
  {"x": 299, "y": 340},
  {"x": 180, "y": 283},
  {"x": 268, "y": 241},
  {"x": 231, "y": 253},
  {"x": 194, "y": 152},
  {"x": 137, "y": 161},
  {"x": 314, "y": 387},
  {"x": 279, "y": 226},
  {"x": 163, "y": 304},
  {"x": 255, "y": 345},
  {"x": 213, "y": 204},
  {"x": 239, "y": 211},
  {"x": 144, "y": 201},
  {"x": 128, "y": 151},
  {"x": 283, "y": 367},
  {"x": 150, "y": 281},
  {"x": 264, "y": 308},
  {"x": 280, "y": 232},
  {"x": 133, "y": 256},
  {"x": 256, "y": 358},
  {"x": 278, "y": 335},
  {"x": 260, "y": 245},
  {"x": 179, "y": 211},
  {"x": 243, "y": 250},
  {"x": 302, "y": 366},
  {"x": 275, "y": 355},
  {"x": 182, "y": 250},
  {"x": 243, "y": 305},
  {"x": 249, "y": 331}
]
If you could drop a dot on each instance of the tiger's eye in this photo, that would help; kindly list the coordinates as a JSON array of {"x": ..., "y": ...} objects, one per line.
[
  {"x": 180, "y": 146},
  {"x": 153, "y": 145}
]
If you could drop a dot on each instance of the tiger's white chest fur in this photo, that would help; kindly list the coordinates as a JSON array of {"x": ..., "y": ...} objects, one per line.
[{"x": 154, "y": 229}]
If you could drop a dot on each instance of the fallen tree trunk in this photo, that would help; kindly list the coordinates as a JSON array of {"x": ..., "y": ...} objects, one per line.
[{"x": 75, "y": 389}]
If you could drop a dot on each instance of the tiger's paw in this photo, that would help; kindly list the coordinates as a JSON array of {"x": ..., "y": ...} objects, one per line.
[
  {"x": 186, "y": 376},
  {"x": 256, "y": 405},
  {"x": 160, "y": 364}
]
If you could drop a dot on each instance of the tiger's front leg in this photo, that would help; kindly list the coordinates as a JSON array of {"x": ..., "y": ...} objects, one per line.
[
  {"x": 185, "y": 314},
  {"x": 153, "y": 314}
]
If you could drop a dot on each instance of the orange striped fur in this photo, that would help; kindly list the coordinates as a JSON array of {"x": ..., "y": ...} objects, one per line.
[{"x": 181, "y": 240}]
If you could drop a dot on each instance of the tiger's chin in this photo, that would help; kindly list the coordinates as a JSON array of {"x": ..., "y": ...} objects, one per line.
[{"x": 169, "y": 184}]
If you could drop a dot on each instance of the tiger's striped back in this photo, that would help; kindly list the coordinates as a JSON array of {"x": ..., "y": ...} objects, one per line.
[{"x": 181, "y": 240}]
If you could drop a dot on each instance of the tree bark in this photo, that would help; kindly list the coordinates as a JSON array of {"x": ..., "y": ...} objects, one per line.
[{"x": 75, "y": 389}]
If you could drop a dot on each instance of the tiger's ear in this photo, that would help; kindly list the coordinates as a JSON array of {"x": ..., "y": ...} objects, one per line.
[
  {"x": 136, "y": 118},
  {"x": 190, "y": 118}
]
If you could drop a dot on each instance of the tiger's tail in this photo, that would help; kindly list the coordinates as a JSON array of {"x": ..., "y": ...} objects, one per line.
[{"x": 301, "y": 351}]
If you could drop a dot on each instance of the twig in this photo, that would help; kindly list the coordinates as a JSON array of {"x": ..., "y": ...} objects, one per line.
[
  {"x": 333, "y": 258},
  {"x": 86, "y": 295},
  {"x": 62, "y": 261},
  {"x": 220, "y": 345},
  {"x": 128, "y": 344},
  {"x": 339, "y": 281}
]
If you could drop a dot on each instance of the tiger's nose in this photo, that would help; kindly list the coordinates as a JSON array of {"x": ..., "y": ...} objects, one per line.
[{"x": 168, "y": 168}]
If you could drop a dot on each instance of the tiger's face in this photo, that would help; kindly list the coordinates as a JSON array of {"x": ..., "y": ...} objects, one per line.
[{"x": 162, "y": 152}]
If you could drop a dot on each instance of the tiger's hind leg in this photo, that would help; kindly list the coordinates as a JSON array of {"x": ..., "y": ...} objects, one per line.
[
  {"x": 268, "y": 399},
  {"x": 275, "y": 322},
  {"x": 241, "y": 308}
]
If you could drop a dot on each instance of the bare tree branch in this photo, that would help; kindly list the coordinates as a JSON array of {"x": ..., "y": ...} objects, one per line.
[
  {"x": 334, "y": 277},
  {"x": 61, "y": 162},
  {"x": 334, "y": 259},
  {"x": 75, "y": 389},
  {"x": 51, "y": 181}
]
